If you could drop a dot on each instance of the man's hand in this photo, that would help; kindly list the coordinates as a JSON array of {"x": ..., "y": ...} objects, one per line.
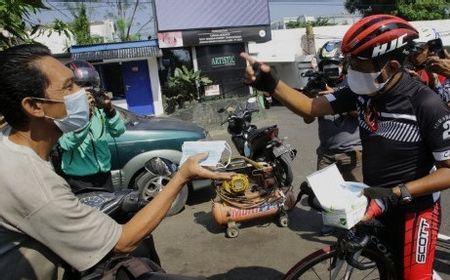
[
  {"x": 91, "y": 102},
  {"x": 386, "y": 194},
  {"x": 260, "y": 76},
  {"x": 191, "y": 169},
  {"x": 104, "y": 102},
  {"x": 439, "y": 65}
]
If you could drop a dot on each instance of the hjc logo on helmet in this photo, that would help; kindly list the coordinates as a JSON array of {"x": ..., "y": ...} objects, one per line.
[{"x": 394, "y": 44}]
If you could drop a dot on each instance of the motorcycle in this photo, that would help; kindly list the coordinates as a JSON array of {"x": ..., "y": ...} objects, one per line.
[{"x": 260, "y": 144}]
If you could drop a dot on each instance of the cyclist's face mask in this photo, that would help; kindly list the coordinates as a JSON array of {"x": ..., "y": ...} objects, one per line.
[
  {"x": 367, "y": 77},
  {"x": 365, "y": 83},
  {"x": 77, "y": 109}
]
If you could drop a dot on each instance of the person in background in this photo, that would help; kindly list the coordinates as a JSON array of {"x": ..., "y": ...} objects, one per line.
[
  {"x": 86, "y": 158},
  {"x": 45, "y": 231},
  {"x": 339, "y": 141},
  {"x": 440, "y": 67},
  {"x": 421, "y": 70}
]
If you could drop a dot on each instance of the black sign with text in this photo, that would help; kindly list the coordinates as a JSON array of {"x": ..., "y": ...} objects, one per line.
[{"x": 207, "y": 37}]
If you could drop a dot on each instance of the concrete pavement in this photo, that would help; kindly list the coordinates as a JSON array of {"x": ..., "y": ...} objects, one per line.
[{"x": 190, "y": 243}]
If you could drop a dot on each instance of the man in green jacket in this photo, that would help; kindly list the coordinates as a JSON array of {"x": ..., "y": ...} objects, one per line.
[{"x": 86, "y": 159}]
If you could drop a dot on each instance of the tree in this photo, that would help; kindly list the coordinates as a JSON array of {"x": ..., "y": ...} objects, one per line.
[
  {"x": 14, "y": 17},
  {"x": 80, "y": 26},
  {"x": 407, "y": 9},
  {"x": 368, "y": 7},
  {"x": 424, "y": 10},
  {"x": 320, "y": 21},
  {"x": 183, "y": 86},
  {"x": 124, "y": 19}
]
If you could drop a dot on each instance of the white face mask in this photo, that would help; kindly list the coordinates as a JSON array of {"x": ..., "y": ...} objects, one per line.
[
  {"x": 77, "y": 109},
  {"x": 214, "y": 149},
  {"x": 364, "y": 83}
]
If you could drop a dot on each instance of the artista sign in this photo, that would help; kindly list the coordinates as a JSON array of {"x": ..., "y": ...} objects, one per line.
[{"x": 228, "y": 60}]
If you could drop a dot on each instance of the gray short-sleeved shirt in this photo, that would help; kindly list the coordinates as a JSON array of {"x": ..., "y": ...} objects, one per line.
[{"x": 42, "y": 222}]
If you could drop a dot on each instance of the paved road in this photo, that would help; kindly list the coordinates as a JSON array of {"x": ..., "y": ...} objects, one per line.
[{"x": 190, "y": 243}]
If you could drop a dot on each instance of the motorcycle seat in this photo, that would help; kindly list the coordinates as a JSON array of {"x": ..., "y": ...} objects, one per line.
[
  {"x": 106, "y": 202},
  {"x": 254, "y": 133}
]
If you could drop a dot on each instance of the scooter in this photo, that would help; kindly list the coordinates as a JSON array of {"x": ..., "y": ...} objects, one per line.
[{"x": 260, "y": 144}]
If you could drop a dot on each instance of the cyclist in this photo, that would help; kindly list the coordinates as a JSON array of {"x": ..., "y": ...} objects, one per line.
[{"x": 404, "y": 129}]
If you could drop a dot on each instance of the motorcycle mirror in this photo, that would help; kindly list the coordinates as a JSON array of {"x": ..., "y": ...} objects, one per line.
[{"x": 251, "y": 104}]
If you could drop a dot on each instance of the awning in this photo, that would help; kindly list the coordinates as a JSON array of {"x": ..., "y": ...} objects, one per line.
[{"x": 121, "y": 50}]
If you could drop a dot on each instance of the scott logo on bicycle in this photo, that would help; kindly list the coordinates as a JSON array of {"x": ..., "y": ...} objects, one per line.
[{"x": 422, "y": 241}]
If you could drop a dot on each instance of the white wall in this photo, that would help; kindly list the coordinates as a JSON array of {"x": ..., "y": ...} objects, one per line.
[
  {"x": 156, "y": 87},
  {"x": 104, "y": 29},
  {"x": 55, "y": 42}
]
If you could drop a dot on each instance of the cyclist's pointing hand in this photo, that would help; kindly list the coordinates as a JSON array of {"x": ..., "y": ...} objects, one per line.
[{"x": 260, "y": 76}]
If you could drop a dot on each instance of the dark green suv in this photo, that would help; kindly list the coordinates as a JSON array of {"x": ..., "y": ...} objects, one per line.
[{"x": 147, "y": 138}]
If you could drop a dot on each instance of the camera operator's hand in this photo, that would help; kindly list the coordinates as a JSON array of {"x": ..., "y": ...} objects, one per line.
[
  {"x": 260, "y": 76},
  {"x": 327, "y": 90},
  {"x": 103, "y": 101},
  {"x": 439, "y": 65}
]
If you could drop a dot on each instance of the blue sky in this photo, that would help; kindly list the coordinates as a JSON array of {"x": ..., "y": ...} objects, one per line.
[
  {"x": 286, "y": 8},
  {"x": 278, "y": 10}
]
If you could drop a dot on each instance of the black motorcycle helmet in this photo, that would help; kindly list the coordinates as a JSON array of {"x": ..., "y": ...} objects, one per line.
[
  {"x": 331, "y": 61},
  {"x": 85, "y": 74}
]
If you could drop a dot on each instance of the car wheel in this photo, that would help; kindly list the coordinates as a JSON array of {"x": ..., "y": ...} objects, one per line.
[{"x": 155, "y": 178}]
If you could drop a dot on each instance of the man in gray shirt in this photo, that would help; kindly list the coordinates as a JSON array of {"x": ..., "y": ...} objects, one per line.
[
  {"x": 339, "y": 138},
  {"x": 43, "y": 226}
]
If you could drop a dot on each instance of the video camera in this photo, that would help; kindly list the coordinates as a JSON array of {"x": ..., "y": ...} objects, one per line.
[
  {"x": 435, "y": 46},
  {"x": 317, "y": 82},
  {"x": 100, "y": 95}
]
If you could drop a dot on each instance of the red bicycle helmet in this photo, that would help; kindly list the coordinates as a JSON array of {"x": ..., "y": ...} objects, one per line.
[{"x": 374, "y": 36}]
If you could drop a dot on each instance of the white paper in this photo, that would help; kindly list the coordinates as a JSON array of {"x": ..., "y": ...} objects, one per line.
[
  {"x": 343, "y": 201},
  {"x": 213, "y": 148}
]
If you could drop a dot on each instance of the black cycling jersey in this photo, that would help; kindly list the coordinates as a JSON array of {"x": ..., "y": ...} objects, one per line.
[{"x": 403, "y": 132}]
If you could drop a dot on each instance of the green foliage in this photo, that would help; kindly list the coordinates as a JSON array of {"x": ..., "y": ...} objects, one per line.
[
  {"x": 183, "y": 86},
  {"x": 80, "y": 27},
  {"x": 424, "y": 10},
  {"x": 123, "y": 21},
  {"x": 14, "y": 16},
  {"x": 122, "y": 26},
  {"x": 320, "y": 21},
  {"x": 407, "y": 9}
]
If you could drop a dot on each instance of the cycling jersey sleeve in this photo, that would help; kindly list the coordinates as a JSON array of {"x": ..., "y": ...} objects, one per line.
[
  {"x": 433, "y": 118},
  {"x": 342, "y": 100}
]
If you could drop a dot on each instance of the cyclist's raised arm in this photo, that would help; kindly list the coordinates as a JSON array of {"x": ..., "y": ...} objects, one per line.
[
  {"x": 262, "y": 78},
  {"x": 301, "y": 104}
]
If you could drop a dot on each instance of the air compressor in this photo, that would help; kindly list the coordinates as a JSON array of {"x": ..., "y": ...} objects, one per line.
[{"x": 253, "y": 193}]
